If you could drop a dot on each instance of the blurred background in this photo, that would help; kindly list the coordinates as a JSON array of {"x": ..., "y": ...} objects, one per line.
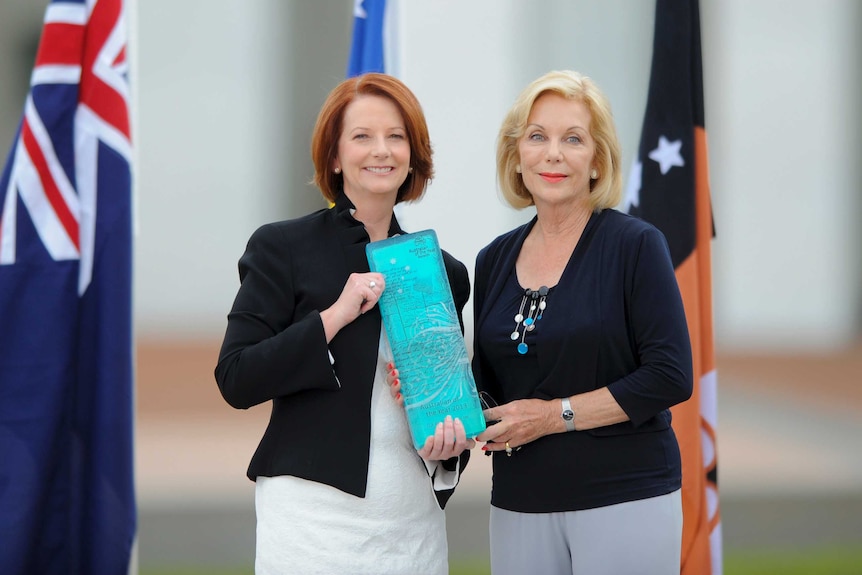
[{"x": 225, "y": 93}]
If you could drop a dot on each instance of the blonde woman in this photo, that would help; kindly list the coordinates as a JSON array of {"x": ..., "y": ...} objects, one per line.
[{"x": 581, "y": 340}]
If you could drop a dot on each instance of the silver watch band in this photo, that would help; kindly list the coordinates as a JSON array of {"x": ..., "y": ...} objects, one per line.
[{"x": 567, "y": 415}]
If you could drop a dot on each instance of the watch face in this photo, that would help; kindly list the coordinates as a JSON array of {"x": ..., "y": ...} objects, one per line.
[{"x": 568, "y": 415}]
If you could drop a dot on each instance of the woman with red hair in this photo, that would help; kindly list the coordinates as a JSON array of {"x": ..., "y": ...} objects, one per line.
[{"x": 339, "y": 486}]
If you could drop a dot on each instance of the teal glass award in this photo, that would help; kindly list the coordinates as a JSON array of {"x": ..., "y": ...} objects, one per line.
[{"x": 421, "y": 323}]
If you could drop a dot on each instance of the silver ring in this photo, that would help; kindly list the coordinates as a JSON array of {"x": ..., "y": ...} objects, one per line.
[{"x": 372, "y": 284}]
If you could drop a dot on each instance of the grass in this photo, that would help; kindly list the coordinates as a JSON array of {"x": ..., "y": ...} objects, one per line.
[
  {"x": 816, "y": 561},
  {"x": 841, "y": 560}
]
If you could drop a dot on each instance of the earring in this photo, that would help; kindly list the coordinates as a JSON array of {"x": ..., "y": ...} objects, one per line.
[
  {"x": 593, "y": 175},
  {"x": 337, "y": 171},
  {"x": 518, "y": 168},
  {"x": 410, "y": 170}
]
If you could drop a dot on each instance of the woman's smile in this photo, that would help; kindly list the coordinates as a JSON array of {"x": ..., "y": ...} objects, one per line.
[{"x": 553, "y": 178}]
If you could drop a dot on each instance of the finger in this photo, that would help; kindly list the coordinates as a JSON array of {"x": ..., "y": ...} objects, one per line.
[
  {"x": 492, "y": 414},
  {"x": 425, "y": 452},
  {"x": 369, "y": 296},
  {"x": 392, "y": 376},
  {"x": 497, "y": 445},
  {"x": 448, "y": 447},
  {"x": 367, "y": 304},
  {"x": 448, "y": 431},
  {"x": 395, "y": 390},
  {"x": 395, "y": 384},
  {"x": 462, "y": 442},
  {"x": 375, "y": 281},
  {"x": 368, "y": 288},
  {"x": 362, "y": 285},
  {"x": 460, "y": 432},
  {"x": 433, "y": 445},
  {"x": 439, "y": 440},
  {"x": 491, "y": 433}
]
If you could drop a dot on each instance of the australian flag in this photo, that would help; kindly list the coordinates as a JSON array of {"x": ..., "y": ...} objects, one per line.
[
  {"x": 67, "y": 503},
  {"x": 367, "y": 51}
]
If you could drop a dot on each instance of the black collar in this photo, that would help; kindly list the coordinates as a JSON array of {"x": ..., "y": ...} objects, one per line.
[{"x": 357, "y": 233}]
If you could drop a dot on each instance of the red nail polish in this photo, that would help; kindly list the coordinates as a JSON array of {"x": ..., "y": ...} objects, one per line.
[{"x": 484, "y": 448}]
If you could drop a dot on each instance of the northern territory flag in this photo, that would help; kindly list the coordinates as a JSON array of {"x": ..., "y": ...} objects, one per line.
[{"x": 669, "y": 187}]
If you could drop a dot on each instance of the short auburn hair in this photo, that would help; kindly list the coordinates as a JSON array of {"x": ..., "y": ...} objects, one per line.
[
  {"x": 327, "y": 131},
  {"x": 605, "y": 191}
]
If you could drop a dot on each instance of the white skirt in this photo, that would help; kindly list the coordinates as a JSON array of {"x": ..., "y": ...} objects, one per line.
[{"x": 307, "y": 528}]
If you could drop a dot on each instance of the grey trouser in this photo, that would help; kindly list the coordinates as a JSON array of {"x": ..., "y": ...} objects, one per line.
[{"x": 635, "y": 538}]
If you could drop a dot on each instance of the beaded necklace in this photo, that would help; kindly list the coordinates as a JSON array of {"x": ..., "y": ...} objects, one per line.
[{"x": 537, "y": 303}]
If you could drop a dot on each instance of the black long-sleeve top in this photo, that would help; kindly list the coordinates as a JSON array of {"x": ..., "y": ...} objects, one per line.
[{"x": 614, "y": 320}]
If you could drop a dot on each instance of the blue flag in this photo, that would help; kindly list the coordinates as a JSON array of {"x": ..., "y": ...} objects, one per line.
[
  {"x": 67, "y": 503},
  {"x": 367, "y": 51}
]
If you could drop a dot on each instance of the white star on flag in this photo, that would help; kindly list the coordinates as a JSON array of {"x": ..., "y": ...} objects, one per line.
[
  {"x": 633, "y": 189},
  {"x": 358, "y": 10},
  {"x": 667, "y": 154}
]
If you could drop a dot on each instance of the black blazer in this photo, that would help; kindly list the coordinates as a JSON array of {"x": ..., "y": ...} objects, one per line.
[{"x": 275, "y": 348}]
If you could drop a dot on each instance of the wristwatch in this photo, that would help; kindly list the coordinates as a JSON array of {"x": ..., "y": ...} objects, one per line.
[{"x": 568, "y": 415}]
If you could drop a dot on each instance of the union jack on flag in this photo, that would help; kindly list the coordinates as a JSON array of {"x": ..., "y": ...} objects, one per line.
[
  {"x": 67, "y": 501},
  {"x": 78, "y": 99}
]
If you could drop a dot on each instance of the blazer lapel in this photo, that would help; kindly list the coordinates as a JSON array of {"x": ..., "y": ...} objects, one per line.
[
  {"x": 362, "y": 336},
  {"x": 359, "y": 339}
]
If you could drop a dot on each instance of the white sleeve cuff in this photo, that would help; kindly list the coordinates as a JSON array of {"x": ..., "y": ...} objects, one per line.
[
  {"x": 441, "y": 478},
  {"x": 332, "y": 363}
]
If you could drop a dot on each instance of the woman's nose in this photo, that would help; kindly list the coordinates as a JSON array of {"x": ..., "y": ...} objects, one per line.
[
  {"x": 381, "y": 147},
  {"x": 555, "y": 152}
]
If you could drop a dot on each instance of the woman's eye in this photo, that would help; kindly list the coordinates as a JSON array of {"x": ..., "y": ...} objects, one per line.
[
  {"x": 536, "y": 137},
  {"x": 397, "y": 136},
  {"x": 573, "y": 139},
  {"x": 360, "y": 136}
]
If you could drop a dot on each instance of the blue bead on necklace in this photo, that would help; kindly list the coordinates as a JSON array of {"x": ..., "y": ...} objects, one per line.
[{"x": 537, "y": 304}]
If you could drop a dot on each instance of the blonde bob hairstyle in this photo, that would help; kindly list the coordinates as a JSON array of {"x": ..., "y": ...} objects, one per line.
[
  {"x": 605, "y": 191},
  {"x": 327, "y": 131}
]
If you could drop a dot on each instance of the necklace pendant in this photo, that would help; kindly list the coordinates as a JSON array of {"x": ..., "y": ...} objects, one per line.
[{"x": 535, "y": 312}]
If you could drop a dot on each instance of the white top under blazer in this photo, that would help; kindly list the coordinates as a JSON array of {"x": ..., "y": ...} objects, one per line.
[{"x": 305, "y": 527}]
